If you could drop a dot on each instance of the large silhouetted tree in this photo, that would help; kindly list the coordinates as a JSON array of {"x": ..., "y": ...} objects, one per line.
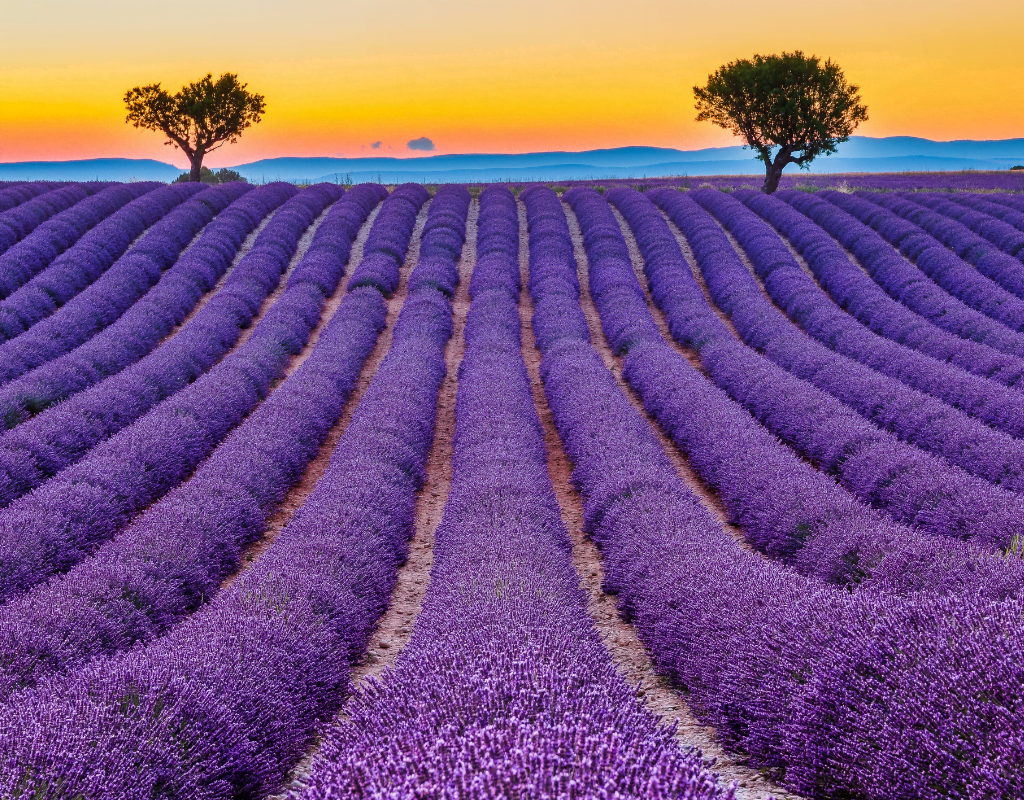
[
  {"x": 200, "y": 118},
  {"x": 791, "y": 104}
]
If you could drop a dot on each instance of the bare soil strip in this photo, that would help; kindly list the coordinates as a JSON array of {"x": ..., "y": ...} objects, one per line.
[
  {"x": 692, "y": 480},
  {"x": 395, "y": 627},
  {"x": 628, "y": 652},
  {"x": 247, "y": 245}
]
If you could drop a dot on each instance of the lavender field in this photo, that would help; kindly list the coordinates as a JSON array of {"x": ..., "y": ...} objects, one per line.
[{"x": 629, "y": 491}]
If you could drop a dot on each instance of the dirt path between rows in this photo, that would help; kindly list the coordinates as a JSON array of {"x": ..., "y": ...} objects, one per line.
[
  {"x": 395, "y": 628},
  {"x": 298, "y": 493},
  {"x": 621, "y": 638},
  {"x": 243, "y": 250}
]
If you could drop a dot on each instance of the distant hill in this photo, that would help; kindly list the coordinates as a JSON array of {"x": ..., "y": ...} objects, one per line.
[
  {"x": 860, "y": 154},
  {"x": 103, "y": 169}
]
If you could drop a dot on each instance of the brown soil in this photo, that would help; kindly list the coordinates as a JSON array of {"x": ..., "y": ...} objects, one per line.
[
  {"x": 692, "y": 480},
  {"x": 297, "y": 495},
  {"x": 628, "y": 652},
  {"x": 395, "y": 627}
]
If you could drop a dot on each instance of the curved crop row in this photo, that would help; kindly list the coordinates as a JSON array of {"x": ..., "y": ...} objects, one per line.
[
  {"x": 910, "y": 485},
  {"x": 16, "y": 194},
  {"x": 808, "y": 305},
  {"x": 785, "y": 507},
  {"x": 386, "y": 246},
  {"x": 910, "y": 415},
  {"x": 163, "y": 565},
  {"x": 987, "y": 204},
  {"x": 444, "y": 235},
  {"x": 504, "y": 624},
  {"x": 37, "y": 250},
  {"x": 228, "y": 702},
  {"x": 945, "y": 250},
  {"x": 914, "y": 280},
  {"x": 859, "y": 295},
  {"x": 74, "y": 269},
  {"x": 58, "y": 524},
  {"x": 18, "y": 222},
  {"x": 974, "y": 231},
  {"x": 118, "y": 288},
  {"x": 836, "y": 695},
  {"x": 42, "y": 446}
]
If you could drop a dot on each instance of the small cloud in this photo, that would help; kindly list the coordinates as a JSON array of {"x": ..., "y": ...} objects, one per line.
[
  {"x": 423, "y": 143},
  {"x": 376, "y": 145}
]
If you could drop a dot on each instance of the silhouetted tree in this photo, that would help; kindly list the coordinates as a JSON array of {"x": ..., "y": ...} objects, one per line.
[
  {"x": 791, "y": 102},
  {"x": 200, "y": 118}
]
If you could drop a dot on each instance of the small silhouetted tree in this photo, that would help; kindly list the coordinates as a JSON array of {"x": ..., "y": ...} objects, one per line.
[
  {"x": 791, "y": 104},
  {"x": 200, "y": 118}
]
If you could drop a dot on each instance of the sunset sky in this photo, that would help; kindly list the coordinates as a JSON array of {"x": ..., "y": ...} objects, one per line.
[{"x": 478, "y": 76}]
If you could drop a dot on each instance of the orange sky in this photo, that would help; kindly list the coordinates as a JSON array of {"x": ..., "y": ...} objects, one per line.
[{"x": 478, "y": 76}]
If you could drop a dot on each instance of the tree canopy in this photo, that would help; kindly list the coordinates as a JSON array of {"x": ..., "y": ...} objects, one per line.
[
  {"x": 791, "y": 104},
  {"x": 200, "y": 118}
]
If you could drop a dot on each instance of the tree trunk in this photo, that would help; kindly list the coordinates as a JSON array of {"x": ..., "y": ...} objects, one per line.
[
  {"x": 195, "y": 175},
  {"x": 773, "y": 169},
  {"x": 772, "y": 175}
]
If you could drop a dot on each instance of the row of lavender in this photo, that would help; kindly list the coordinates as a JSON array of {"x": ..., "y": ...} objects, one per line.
[
  {"x": 21, "y": 218},
  {"x": 505, "y": 689},
  {"x": 785, "y": 507},
  {"x": 885, "y": 556},
  {"x": 224, "y": 705},
  {"x": 162, "y": 566},
  {"x": 831, "y": 691},
  {"x": 53, "y": 527},
  {"x": 54, "y": 438}
]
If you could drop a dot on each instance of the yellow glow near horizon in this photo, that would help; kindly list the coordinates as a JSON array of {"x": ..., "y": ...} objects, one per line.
[{"x": 474, "y": 77}]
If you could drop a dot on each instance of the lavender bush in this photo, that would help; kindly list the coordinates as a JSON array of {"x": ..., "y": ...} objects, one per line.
[
  {"x": 807, "y": 304},
  {"x": 836, "y": 695},
  {"x": 226, "y": 703},
  {"x": 82, "y": 263},
  {"x": 857, "y": 294},
  {"x": 386, "y": 246},
  {"x": 966, "y": 217},
  {"x": 912, "y": 486},
  {"x": 35, "y": 252},
  {"x": 58, "y": 524},
  {"x": 117, "y": 289},
  {"x": 12, "y": 195},
  {"x": 174, "y": 556},
  {"x": 18, "y": 222},
  {"x": 908, "y": 226},
  {"x": 910, "y": 415},
  {"x": 44, "y": 445},
  {"x": 911, "y": 286},
  {"x": 784, "y": 506},
  {"x": 505, "y": 689}
]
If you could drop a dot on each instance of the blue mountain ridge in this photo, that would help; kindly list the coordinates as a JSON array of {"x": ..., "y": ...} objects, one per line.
[{"x": 860, "y": 154}]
